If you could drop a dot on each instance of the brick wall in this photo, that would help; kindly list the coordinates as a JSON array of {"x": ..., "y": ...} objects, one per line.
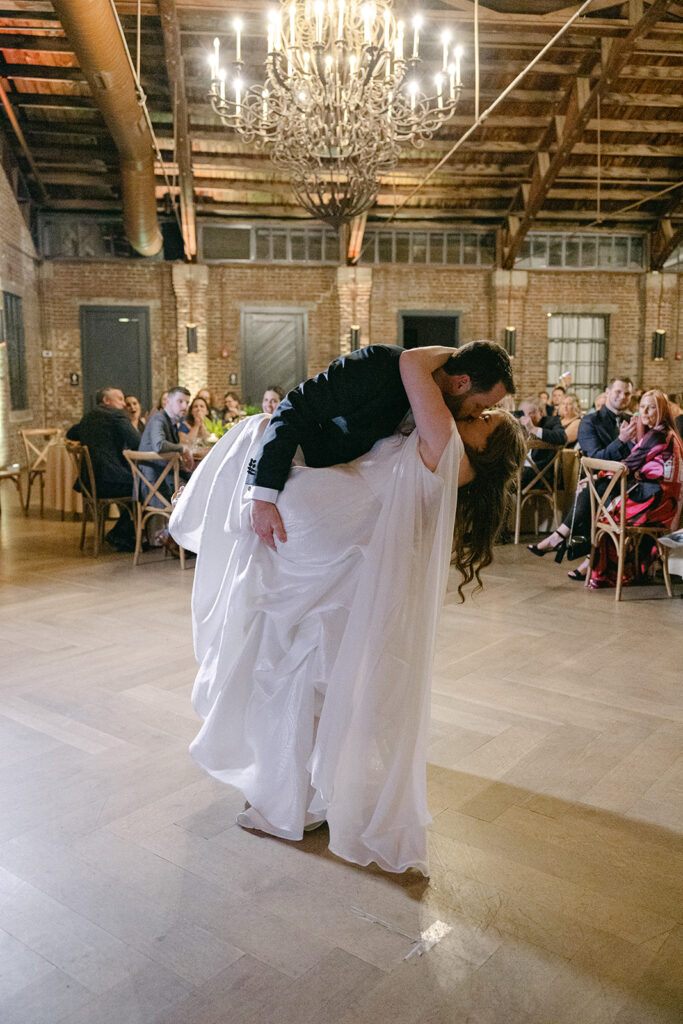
[
  {"x": 19, "y": 277},
  {"x": 66, "y": 286},
  {"x": 486, "y": 301},
  {"x": 447, "y": 289},
  {"x": 234, "y": 288}
]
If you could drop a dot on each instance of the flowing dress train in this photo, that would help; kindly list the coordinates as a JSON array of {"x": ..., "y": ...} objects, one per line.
[{"x": 315, "y": 659}]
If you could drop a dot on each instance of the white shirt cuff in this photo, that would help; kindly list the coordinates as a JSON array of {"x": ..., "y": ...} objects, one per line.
[{"x": 252, "y": 493}]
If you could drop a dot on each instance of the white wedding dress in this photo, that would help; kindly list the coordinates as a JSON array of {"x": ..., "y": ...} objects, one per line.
[{"x": 315, "y": 660}]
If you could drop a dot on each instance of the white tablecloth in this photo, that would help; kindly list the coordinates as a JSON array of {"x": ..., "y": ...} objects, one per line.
[{"x": 60, "y": 475}]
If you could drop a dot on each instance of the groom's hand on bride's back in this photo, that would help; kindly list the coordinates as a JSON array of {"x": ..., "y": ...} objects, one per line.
[{"x": 266, "y": 522}]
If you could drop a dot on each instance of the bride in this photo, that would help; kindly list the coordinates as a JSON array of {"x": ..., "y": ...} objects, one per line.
[{"x": 315, "y": 658}]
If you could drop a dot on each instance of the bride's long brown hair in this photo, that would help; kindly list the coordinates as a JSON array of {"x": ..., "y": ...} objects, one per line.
[{"x": 483, "y": 505}]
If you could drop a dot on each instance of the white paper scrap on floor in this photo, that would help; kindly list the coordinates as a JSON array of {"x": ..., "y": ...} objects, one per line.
[{"x": 315, "y": 659}]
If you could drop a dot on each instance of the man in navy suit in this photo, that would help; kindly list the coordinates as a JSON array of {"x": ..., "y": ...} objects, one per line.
[
  {"x": 608, "y": 433},
  {"x": 339, "y": 415}
]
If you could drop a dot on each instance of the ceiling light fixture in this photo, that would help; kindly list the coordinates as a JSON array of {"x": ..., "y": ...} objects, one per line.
[{"x": 343, "y": 92}]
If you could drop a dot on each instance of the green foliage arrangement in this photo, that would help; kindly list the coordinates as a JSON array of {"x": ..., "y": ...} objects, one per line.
[
  {"x": 217, "y": 427},
  {"x": 251, "y": 410}
]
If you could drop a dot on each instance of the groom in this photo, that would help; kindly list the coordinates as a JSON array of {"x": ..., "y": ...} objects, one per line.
[{"x": 340, "y": 414}]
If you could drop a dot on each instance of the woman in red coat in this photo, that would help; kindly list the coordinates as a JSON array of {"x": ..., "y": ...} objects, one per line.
[{"x": 655, "y": 485}]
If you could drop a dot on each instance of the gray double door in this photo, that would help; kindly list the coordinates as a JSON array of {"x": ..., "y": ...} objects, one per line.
[{"x": 274, "y": 351}]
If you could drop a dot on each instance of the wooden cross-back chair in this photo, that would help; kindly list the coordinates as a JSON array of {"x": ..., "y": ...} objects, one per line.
[
  {"x": 95, "y": 510},
  {"x": 610, "y": 522},
  {"x": 13, "y": 472},
  {"x": 543, "y": 485},
  {"x": 37, "y": 440},
  {"x": 149, "y": 498}
]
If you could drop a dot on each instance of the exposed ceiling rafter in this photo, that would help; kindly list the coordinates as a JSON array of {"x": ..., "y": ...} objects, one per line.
[{"x": 566, "y": 130}]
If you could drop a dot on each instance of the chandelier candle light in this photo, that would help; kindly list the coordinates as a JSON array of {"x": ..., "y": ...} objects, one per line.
[{"x": 340, "y": 98}]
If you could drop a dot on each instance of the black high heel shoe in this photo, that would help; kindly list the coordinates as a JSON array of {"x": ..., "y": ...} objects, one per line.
[
  {"x": 558, "y": 550},
  {"x": 536, "y": 550}
]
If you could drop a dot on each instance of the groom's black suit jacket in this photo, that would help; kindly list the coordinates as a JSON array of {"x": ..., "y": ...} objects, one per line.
[{"x": 335, "y": 417}]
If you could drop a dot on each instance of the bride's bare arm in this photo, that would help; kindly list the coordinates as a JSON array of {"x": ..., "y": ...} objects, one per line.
[{"x": 433, "y": 419}]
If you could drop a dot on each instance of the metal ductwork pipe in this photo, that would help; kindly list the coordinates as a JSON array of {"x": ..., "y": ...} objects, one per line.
[{"x": 92, "y": 30}]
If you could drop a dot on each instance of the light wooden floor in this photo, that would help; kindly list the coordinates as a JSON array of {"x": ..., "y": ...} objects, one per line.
[{"x": 127, "y": 894}]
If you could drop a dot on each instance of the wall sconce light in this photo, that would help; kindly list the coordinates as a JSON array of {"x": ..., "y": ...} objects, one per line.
[
  {"x": 658, "y": 344},
  {"x": 354, "y": 336},
  {"x": 510, "y": 340},
  {"x": 191, "y": 337}
]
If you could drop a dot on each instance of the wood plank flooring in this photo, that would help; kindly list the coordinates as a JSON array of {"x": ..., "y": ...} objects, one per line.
[{"x": 128, "y": 895}]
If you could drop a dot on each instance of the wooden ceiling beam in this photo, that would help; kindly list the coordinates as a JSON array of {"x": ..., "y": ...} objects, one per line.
[
  {"x": 183, "y": 139},
  {"x": 568, "y": 129},
  {"x": 663, "y": 242},
  {"x": 666, "y": 237},
  {"x": 40, "y": 72},
  {"x": 34, "y": 44},
  {"x": 23, "y": 145},
  {"x": 645, "y": 99}
]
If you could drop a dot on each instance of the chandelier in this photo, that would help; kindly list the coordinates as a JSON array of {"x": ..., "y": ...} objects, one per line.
[{"x": 343, "y": 91}]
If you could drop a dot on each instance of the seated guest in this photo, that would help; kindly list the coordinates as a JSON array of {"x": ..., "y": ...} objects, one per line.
[
  {"x": 654, "y": 487},
  {"x": 232, "y": 410},
  {"x": 547, "y": 428},
  {"x": 544, "y": 399},
  {"x": 106, "y": 430},
  {"x": 600, "y": 400},
  {"x": 557, "y": 395},
  {"x": 161, "y": 436},
  {"x": 272, "y": 397},
  {"x": 196, "y": 415},
  {"x": 162, "y": 402},
  {"x": 135, "y": 412},
  {"x": 606, "y": 433},
  {"x": 213, "y": 412},
  {"x": 674, "y": 402},
  {"x": 570, "y": 417}
]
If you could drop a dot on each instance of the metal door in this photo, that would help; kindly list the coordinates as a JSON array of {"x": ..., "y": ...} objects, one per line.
[
  {"x": 115, "y": 351},
  {"x": 274, "y": 351}
]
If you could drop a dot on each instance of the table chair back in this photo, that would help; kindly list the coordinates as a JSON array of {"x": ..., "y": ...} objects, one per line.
[
  {"x": 609, "y": 520},
  {"x": 12, "y": 472},
  {"x": 542, "y": 486},
  {"x": 37, "y": 440},
  {"x": 149, "y": 496},
  {"x": 95, "y": 510}
]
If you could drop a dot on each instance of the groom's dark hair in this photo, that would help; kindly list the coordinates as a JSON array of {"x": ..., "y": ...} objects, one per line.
[{"x": 485, "y": 363}]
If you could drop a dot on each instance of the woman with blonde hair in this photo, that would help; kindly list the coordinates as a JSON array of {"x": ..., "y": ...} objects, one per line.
[{"x": 570, "y": 417}]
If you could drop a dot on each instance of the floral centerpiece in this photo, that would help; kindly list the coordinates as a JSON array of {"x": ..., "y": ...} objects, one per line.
[{"x": 216, "y": 429}]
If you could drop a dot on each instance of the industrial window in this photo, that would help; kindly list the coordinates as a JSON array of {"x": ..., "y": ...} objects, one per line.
[
  {"x": 12, "y": 335},
  {"x": 437, "y": 248},
  {"x": 544, "y": 250},
  {"x": 578, "y": 344}
]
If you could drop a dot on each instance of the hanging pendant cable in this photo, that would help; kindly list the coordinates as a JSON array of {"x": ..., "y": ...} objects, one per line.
[
  {"x": 599, "y": 168},
  {"x": 139, "y": 36},
  {"x": 476, "y": 60}
]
